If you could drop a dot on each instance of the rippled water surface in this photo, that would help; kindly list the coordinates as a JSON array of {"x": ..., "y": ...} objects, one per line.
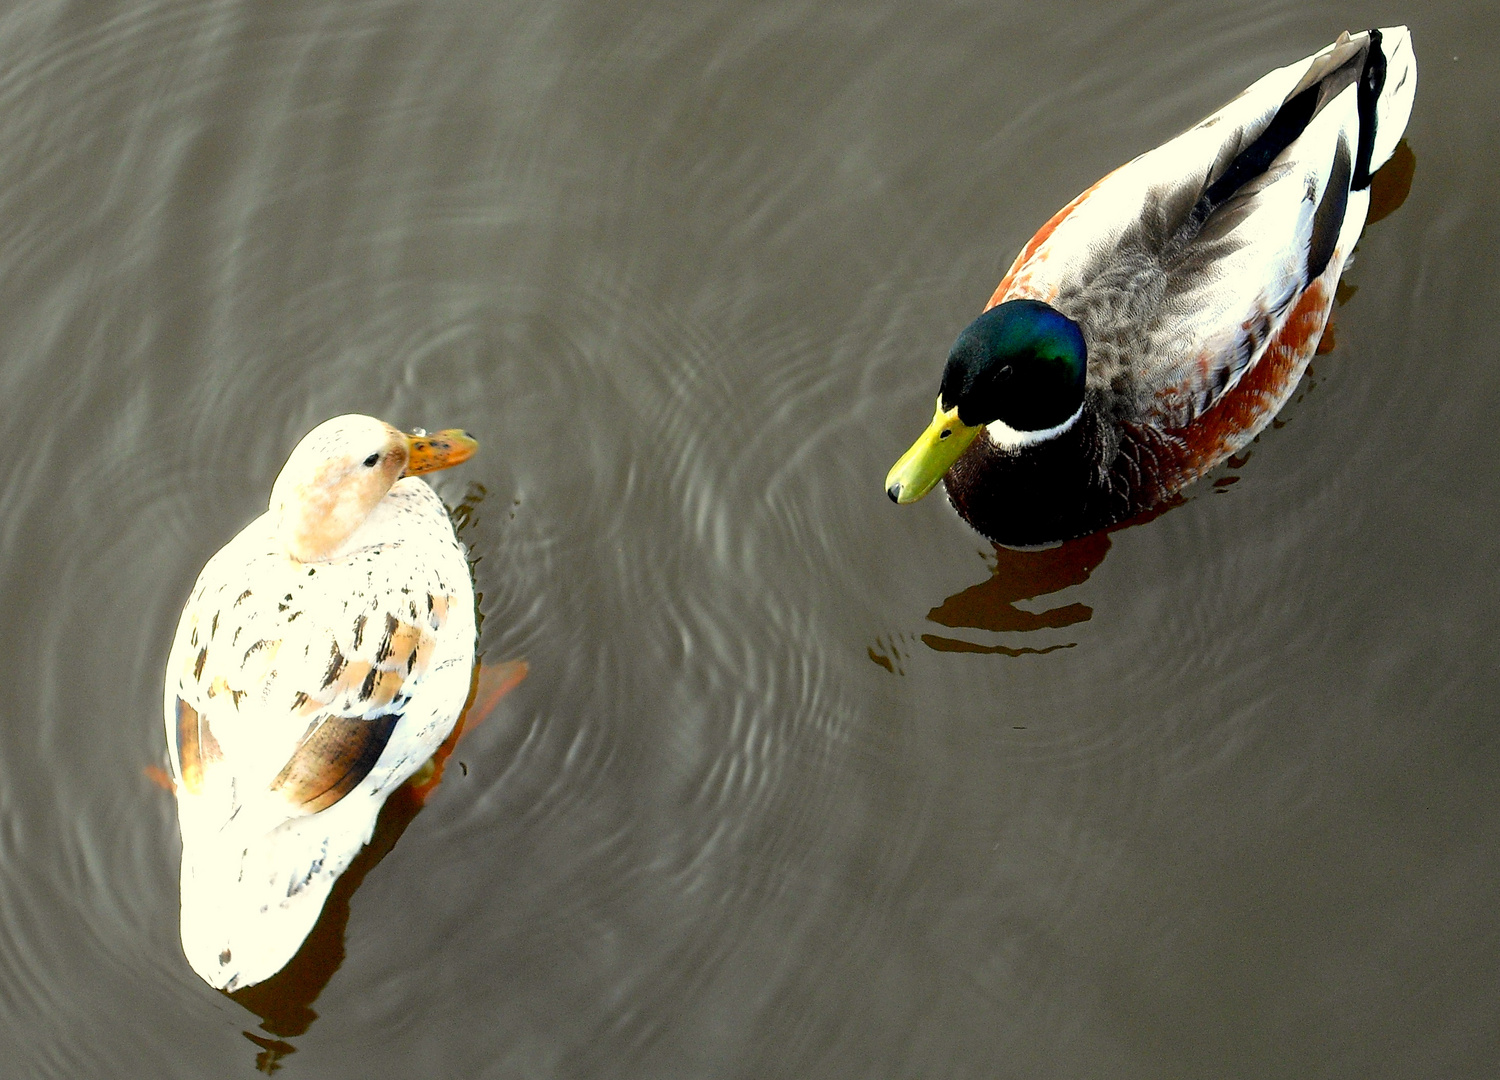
[{"x": 801, "y": 784}]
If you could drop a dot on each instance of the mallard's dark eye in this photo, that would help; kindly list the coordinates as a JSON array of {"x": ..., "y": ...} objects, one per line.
[{"x": 372, "y": 461}]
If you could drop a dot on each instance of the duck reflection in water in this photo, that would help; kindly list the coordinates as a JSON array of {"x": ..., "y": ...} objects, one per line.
[
  {"x": 1019, "y": 575},
  {"x": 284, "y": 1001}
]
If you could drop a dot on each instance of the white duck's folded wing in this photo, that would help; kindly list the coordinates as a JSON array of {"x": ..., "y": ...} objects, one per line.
[
  {"x": 1198, "y": 251},
  {"x": 333, "y": 759}
]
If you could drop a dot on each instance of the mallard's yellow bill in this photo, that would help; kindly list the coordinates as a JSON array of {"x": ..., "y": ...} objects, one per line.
[
  {"x": 930, "y": 457},
  {"x": 441, "y": 450}
]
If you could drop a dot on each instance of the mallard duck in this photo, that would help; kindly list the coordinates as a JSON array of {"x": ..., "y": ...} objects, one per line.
[
  {"x": 322, "y": 657},
  {"x": 1161, "y": 319}
]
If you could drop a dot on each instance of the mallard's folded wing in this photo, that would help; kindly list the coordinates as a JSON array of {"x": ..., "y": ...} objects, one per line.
[{"x": 1181, "y": 265}]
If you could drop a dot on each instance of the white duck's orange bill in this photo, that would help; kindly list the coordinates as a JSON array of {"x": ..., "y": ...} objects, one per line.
[{"x": 440, "y": 450}]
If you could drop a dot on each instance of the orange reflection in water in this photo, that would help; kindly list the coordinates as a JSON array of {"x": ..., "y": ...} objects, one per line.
[
  {"x": 1016, "y": 576},
  {"x": 284, "y": 1001}
]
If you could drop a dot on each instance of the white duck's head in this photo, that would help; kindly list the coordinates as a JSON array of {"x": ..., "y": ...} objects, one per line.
[{"x": 341, "y": 470}]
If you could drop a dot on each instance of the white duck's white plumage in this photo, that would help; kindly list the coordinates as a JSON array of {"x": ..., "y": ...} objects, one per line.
[{"x": 323, "y": 656}]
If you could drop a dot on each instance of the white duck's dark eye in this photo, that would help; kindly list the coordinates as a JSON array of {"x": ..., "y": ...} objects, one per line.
[{"x": 372, "y": 461}]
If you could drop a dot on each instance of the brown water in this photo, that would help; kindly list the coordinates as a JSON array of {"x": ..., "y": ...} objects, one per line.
[{"x": 802, "y": 784}]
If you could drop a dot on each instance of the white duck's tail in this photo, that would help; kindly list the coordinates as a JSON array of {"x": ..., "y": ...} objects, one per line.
[
  {"x": 250, "y": 898},
  {"x": 1387, "y": 88}
]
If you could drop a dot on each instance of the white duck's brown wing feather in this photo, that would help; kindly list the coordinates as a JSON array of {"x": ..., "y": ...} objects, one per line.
[
  {"x": 337, "y": 754},
  {"x": 296, "y": 685}
]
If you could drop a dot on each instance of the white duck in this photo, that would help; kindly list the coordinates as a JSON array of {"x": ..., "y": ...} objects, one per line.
[{"x": 323, "y": 656}]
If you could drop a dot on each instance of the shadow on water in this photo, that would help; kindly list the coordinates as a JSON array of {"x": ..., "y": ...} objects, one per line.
[
  {"x": 284, "y": 1001},
  {"x": 1020, "y": 574},
  {"x": 1016, "y": 576},
  {"x": 1390, "y": 186}
]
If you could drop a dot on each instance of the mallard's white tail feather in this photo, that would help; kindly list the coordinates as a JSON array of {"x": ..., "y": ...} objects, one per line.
[{"x": 1393, "y": 102}]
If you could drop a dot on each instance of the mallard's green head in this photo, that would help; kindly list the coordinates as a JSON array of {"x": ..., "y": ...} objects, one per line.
[{"x": 1016, "y": 372}]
